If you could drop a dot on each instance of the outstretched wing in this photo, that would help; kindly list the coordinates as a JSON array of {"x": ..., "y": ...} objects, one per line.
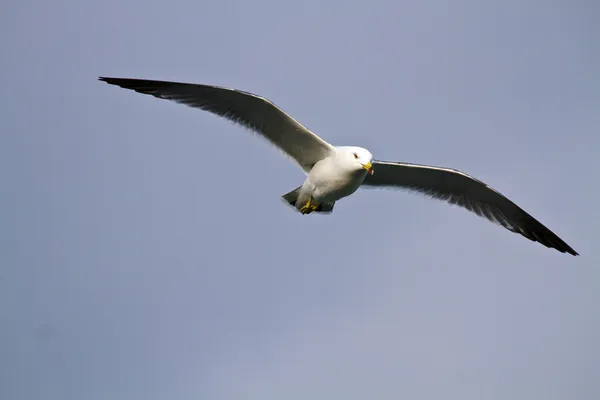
[
  {"x": 460, "y": 189},
  {"x": 249, "y": 110}
]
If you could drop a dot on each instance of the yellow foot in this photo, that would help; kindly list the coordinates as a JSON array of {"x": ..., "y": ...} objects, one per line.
[{"x": 309, "y": 207}]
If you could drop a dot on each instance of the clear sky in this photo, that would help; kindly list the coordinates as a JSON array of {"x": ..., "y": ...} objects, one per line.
[{"x": 146, "y": 254}]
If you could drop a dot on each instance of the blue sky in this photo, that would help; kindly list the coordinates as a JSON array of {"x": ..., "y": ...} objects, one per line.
[{"x": 146, "y": 253}]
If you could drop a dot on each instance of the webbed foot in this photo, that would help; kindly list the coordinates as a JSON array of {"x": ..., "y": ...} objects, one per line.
[{"x": 309, "y": 207}]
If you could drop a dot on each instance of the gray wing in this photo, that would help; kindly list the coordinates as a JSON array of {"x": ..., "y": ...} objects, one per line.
[
  {"x": 251, "y": 111},
  {"x": 465, "y": 191}
]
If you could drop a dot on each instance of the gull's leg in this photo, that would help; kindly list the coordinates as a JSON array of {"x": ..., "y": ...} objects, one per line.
[
  {"x": 306, "y": 209},
  {"x": 309, "y": 207}
]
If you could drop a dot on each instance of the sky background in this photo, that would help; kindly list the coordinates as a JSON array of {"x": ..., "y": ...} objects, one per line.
[{"x": 146, "y": 254}]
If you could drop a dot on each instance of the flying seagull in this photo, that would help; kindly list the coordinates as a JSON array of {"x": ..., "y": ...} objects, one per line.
[{"x": 335, "y": 172}]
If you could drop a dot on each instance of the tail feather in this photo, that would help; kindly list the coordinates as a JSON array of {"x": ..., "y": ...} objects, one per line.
[
  {"x": 325, "y": 208},
  {"x": 292, "y": 197}
]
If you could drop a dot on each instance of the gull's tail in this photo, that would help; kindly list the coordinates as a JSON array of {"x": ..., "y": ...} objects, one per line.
[{"x": 292, "y": 197}]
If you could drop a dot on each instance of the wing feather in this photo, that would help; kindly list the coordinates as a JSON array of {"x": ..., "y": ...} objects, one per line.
[
  {"x": 249, "y": 110},
  {"x": 458, "y": 188}
]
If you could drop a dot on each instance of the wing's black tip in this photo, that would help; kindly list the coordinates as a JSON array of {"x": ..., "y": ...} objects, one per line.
[
  {"x": 112, "y": 81},
  {"x": 568, "y": 251}
]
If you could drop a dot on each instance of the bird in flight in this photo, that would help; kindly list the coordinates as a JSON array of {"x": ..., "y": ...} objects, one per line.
[{"x": 335, "y": 172}]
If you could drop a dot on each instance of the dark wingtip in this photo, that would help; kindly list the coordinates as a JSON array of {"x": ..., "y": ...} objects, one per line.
[
  {"x": 563, "y": 248},
  {"x": 112, "y": 81},
  {"x": 560, "y": 245}
]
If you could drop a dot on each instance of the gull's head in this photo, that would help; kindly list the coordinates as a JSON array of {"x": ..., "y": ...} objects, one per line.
[{"x": 357, "y": 156}]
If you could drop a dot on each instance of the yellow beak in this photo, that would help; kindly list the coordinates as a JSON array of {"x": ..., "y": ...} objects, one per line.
[{"x": 368, "y": 167}]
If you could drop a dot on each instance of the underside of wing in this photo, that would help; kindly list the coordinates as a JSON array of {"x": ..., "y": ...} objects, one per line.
[
  {"x": 251, "y": 111},
  {"x": 460, "y": 189}
]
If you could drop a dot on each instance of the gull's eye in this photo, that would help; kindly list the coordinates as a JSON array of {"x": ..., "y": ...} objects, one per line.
[{"x": 355, "y": 155}]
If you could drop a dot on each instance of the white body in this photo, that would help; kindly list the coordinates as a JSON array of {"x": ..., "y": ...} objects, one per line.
[{"x": 336, "y": 176}]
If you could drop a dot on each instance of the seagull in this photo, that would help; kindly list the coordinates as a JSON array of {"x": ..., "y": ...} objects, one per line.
[{"x": 336, "y": 172}]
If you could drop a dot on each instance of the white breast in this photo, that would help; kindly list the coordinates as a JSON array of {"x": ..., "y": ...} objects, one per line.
[{"x": 332, "y": 179}]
